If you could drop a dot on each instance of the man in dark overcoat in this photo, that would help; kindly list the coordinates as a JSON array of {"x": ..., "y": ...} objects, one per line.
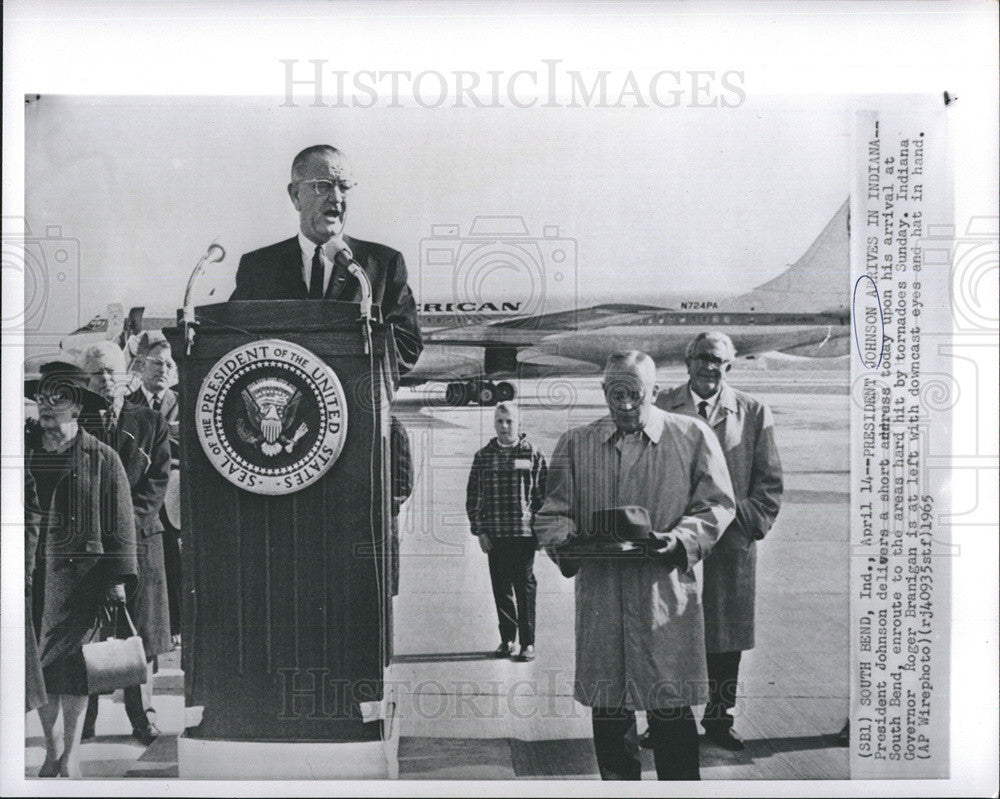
[{"x": 156, "y": 369}]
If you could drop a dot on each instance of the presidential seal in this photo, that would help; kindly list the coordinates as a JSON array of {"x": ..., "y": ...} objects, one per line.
[{"x": 271, "y": 417}]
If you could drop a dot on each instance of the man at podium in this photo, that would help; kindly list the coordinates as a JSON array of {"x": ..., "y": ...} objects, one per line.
[{"x": 314, "y": 264}]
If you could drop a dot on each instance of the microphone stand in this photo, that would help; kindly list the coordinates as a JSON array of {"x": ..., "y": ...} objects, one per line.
[
  {"x": 346, "y": 257},
  {"x": 214, "y": 254}
]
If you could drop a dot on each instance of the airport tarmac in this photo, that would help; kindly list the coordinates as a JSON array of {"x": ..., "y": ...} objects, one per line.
[{"x": 465, "y": 715}]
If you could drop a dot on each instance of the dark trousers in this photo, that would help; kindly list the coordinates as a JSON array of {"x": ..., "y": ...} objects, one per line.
[
  {"x": 723, "y": 675},
  {"x": 133, "y": 709},
  {"x": 675, "y": 744},
  {"x": 512, "y": 573}
]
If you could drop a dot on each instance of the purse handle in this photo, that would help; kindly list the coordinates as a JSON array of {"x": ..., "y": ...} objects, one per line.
[{"x": 112, "y": 622}]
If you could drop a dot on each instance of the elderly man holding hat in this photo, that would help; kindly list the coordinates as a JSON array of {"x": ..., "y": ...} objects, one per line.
[
  {"x": 653, "y": 485},
  {"x": 86, "y": 547}
]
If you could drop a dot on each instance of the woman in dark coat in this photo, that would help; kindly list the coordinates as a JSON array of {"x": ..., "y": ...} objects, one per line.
[{"x": 89, "y": 547}]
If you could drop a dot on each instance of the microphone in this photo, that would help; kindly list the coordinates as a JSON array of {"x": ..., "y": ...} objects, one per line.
[
  {"x": 213, "y": 255},
  {"x": 344, "y": 257}
]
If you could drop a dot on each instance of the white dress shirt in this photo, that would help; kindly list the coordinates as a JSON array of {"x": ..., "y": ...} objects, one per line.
[
  {"x": 326, "y": 253},
  {"x": 150, "y": 397},
  {"x": 712, "y": 401}
]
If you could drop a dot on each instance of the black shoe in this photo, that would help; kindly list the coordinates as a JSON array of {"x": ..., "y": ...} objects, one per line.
[
  {"x": 723, "y": 737},
  {"x": 145, "y": 735},
  {"x": 527, "y": 653},
  {"x": 505, "y": 650}
]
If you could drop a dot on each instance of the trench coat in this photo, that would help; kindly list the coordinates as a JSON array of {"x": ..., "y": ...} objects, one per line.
[
  {"x": 89, "y": 537},
  {"x": 745, "y": 430},
  {"x": 142, "y": 441},
  {"x": 640, "y": 634}
]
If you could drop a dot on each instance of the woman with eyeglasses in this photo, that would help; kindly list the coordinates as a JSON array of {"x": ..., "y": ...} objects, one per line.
[{"x": 86, "y": 549}]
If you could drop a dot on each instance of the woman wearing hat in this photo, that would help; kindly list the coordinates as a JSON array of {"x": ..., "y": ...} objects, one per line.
[{"x": 86, "y": 552}]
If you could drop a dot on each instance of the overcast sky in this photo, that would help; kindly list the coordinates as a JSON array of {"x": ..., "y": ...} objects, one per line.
[{"x": 681, "y": 201}]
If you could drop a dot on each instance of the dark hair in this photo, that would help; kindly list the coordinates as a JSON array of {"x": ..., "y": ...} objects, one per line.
[{"x": 300, "y": 161}]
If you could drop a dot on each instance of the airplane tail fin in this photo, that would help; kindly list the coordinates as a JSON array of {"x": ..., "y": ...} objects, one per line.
[{"x": 816, "y": 283}]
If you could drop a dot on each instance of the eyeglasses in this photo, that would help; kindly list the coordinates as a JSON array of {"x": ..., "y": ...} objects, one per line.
[
  {"x": 55, "y": 398},
  {"x": 324, "y": 188},
  {"x": 158, "y": 363},
  {"x": 711, "y": 359},
  {"x": 622, "y": 397}
]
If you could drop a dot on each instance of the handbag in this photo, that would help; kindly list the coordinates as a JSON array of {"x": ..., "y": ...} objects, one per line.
[{"x": 114, "y": 662}]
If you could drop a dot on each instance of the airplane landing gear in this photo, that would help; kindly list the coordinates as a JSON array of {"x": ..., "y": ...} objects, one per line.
[
  {"x": 457, "y": 394},
  {"x": 481, "y": 392},
  {"x": 486, "y": 394},
  {"x": 505, "y": 392}
]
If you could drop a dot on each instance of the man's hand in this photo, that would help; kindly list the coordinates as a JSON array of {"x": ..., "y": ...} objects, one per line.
[
  {"x": 484, "y": 543},
  {"x": 670, "y": 549},
  {"x": 116, "y": 593}
]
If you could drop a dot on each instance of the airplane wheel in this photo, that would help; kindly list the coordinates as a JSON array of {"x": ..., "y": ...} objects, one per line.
[
  {"x": 505, "y": 392},
  {"x": 486, "y": 394},
  {"x": 456, "y": 394}
]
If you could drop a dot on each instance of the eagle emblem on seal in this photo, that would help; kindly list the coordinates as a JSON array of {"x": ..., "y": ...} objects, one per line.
[{"x": 272, "y": 409}]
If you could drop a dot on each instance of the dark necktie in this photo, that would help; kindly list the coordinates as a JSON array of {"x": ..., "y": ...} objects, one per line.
[
  {"x": 109, "y": 425},
  {"x": 156, "y": 403},
  {"x": 703, "y": 409},
  {"x": 316, "y": 277}
]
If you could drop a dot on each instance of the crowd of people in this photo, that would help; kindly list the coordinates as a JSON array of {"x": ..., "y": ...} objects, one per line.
[
  {"x": 98, "y": 463},
  {"x": 676, "y": 478},
  {"x": 628, "y": 505}
]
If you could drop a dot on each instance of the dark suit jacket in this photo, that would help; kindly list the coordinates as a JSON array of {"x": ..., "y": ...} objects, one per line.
[
  {"x": 275, "y": 273},
  {"x": 141, "y": 440},
  {"x": 169, "y": 410}
]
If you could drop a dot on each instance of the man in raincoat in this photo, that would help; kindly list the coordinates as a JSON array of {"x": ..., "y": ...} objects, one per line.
[
  {"x": 745, "y": 430},
  {"x": 640, "y": 636}
]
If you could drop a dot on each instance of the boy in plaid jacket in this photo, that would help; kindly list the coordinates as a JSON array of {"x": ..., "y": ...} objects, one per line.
[{"x": 506, "y": 489}]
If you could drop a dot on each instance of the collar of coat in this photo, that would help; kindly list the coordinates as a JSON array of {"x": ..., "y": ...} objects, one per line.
[
  {"x": 83, "y": 446},
  {"x": 653, "y": 428},
  {"x": 522, "y": 446},
  {"x": 678, "y": 400}
]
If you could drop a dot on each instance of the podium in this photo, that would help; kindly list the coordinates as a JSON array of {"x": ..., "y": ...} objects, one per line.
[{"x": 285, "y": 508}]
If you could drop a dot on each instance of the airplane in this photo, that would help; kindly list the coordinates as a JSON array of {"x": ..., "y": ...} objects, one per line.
[
  {"x": 803, "y": 311},
  {"x": 478, "y": 348}
]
